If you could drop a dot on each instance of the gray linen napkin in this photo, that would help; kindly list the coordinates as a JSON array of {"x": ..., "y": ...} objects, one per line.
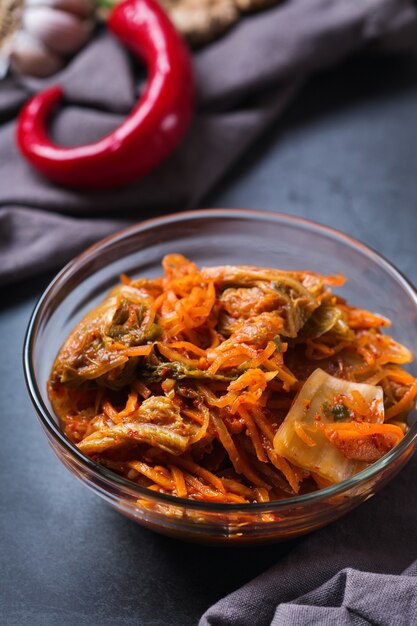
[
  {"x": 347, "y": 573},
  {"x": 350, "y": 598},
  {"x": 245, "y": 80}
]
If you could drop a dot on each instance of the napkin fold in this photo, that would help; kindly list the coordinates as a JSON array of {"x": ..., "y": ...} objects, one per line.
[
  {"x": 245, "y": 81},
  {"x": 359, "y": 571},
  {"x": 350, "y": 598}
]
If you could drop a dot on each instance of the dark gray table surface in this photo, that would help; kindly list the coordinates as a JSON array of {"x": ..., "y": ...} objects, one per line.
[{"x": 344, "y": 155}]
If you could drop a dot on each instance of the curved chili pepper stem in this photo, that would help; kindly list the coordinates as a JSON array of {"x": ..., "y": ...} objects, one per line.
[
  {"x": 147, "y": 136},
  {"x": 105, "y": 4}
]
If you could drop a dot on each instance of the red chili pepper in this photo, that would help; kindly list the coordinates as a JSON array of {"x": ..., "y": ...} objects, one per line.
[{"x": 152, "y": 130}]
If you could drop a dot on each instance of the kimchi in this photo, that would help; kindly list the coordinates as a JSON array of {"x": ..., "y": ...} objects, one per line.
[{"x": 232, "y": 384}]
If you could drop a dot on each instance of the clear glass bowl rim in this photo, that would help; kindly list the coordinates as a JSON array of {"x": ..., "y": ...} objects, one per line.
[{"x": 95, "y": 250}]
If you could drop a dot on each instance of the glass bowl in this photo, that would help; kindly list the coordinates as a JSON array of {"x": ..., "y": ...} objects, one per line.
[{"x": 213, "y": 237}]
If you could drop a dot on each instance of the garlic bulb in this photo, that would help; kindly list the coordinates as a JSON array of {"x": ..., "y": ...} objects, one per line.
[
  {"x": 47, "y": 33},
  {"x": 81, "y": 8},
  {"x": 60, "y": 31},
  {"x": 29, "y": 56}
]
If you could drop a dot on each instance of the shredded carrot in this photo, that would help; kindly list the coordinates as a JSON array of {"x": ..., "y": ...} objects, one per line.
[
  {"x": 293, "y": 476},
  {"x": 178, "y": 476},
  {"x": 209, "y": 494},
  {"x": 175, "y": 356},
  {"x": 264, "y": 356},
  {"x": 111, "y": 412},
  {"x": 196, "y": 469},
  {"x": 264, "y": 426},
  {"x": 231, "y": 358},
  {"x": 404, "y": 404},
  {"x": 237, "y": 487},
  {"x": 262, "y": 494},
  {"x": 125, "y": 280},
  {"x": 139, "y": 350},
  {"x": 131, "y": 405},
  {"x": 190, "y": 347},
  {"x": 180, "y": 383},
  {"x": 253, "y": 434},
  {"x": 142, "y": 389},
  {"x": 201, "y": 417},
  {"x": 299, "y": 429},
  {"x": 153, "y": 475}
]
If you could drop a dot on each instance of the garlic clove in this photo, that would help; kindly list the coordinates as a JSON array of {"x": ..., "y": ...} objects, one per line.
[
  {"x": 60, "y": 31},
  {"x": 4, "y": 65},
  {"x": 81, "y": 8},
  {"x": 29, "y": 56}
]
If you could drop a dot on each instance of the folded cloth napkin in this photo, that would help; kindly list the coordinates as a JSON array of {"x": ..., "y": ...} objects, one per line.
[
  {"x": 346, "y": 574},
  {"x": 350, "y": 598},
  {"x": 245, "y": 80}
]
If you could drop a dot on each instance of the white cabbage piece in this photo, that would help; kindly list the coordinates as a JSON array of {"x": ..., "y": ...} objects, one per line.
[{"x": 319, "y": 392}]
